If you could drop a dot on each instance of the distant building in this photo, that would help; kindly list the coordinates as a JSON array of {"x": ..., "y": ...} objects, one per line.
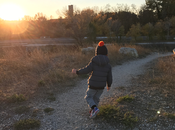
[{"x": 70, "y": 10}]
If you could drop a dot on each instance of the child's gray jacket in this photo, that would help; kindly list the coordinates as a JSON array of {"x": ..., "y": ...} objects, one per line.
[{"x": 100, "y": 72}]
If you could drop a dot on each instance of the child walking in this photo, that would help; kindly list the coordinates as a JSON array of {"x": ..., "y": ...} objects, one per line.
[{"x": 100, "y": 76}]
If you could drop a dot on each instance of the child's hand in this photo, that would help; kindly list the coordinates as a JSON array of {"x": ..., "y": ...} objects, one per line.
[
  {"x": 108, "y": 88},
  {"x": 74, "y": 71}
]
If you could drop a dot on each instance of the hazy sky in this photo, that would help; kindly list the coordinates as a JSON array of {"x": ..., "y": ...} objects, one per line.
[{"x": 49, "y": 7}]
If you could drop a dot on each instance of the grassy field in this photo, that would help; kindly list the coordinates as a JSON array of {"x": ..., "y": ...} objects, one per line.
[
  {"x": 46, "y": 68},
  {"x": 46, "y": 71}
]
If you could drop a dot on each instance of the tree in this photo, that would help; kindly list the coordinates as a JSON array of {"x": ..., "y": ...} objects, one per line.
[
  {"x": 92, "y": 33},
  {"x": 146, "y": 16},
  {"x": 162, "y": 8},
  {"x": 172, "y": 22},
  {"x": 127, "y": 19},
  {"x": 160, "y": 30},
  {"x": 148, "y": 30},
  {"x": 102, "y": 24},
  {"x": 27, "y": 18},
  {"x": 41, "y": 24},
  {"x": 117, "y": 28},
  {"x": 78, "y": 24},
  {"x": 134, "y": 31}
]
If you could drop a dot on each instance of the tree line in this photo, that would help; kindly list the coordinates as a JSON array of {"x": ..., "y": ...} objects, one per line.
[{"x": 154, "y": 18}]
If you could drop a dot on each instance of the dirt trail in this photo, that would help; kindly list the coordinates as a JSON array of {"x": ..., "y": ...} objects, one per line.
[{"x": 70, "y": 108}]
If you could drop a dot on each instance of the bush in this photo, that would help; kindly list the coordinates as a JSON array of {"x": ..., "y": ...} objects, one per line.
[
  {"x": 126, "y": 98},
  {"x": 115, "y": 114},
  {"x": 27, "y": 124},
  {"x": 16, "y": 98},
  {"x": 47, "y": 110}
]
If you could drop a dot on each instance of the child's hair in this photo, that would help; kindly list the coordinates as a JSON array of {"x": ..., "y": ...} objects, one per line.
[{"x": 101, "y": 49}]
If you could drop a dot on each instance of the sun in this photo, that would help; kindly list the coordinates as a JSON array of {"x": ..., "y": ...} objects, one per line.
[{"x": 11, "y": 12}]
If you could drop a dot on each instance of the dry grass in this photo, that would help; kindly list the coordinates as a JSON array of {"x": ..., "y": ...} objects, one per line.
[
  {"x": 166, "y": 67},
  {"x": 24, "y": 73},
  {"x": 116, "y": 58}
]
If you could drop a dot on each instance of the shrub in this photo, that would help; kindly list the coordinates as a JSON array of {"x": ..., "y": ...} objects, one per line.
[
  {"x": 126, "y": 98},
  {"x": 27, "y": 124},
  {"x": 109, "y": 112},
  {"x": 47, "y": 110},
  {"x": 16, "y": 98},
  {"x": 41, "y": 83},
  {"x": 129, "y": 119},
  {"x": 114, "y": 114},
  {"x": 170, "y": 115}
]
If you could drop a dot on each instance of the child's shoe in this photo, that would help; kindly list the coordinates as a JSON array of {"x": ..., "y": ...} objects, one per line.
[{"x": 94, "y": 112}]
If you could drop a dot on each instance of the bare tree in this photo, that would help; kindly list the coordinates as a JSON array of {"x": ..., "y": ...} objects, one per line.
[
  {"x": 27, "y": 18},
  {"x": 117, "y": 28}
]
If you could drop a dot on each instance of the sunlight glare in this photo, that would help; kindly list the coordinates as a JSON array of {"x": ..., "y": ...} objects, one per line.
[{"x": 11, "y": 12}]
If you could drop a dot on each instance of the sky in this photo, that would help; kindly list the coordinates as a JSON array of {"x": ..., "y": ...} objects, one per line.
[{"x": 49, "y": 7}]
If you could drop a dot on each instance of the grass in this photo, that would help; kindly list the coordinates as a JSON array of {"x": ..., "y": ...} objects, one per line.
[
  {"x": 113, "y": 114},
  {"x": 47, "y": 110},
  {"x": 23, "y": 72},
  {"x": 109, "y": 111},
  {"x": 41, "y": 83},
  {"x": 157, "y": 80},
  {"x": 15, "y": 98},
  {"x": 129, "y": 119},
  {"x": 126, "y": 98},
  {"x": 27, "y": 124},
  {"x": 165, "y": 77},
  {"x": 169, "y": 115}
]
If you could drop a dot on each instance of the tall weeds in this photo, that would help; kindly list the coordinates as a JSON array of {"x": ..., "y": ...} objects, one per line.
[
  {"x": 21, "y": 71},
  {"x": 166, "y": 67}
]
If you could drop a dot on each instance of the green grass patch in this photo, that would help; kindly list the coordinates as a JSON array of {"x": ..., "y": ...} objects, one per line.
[
  {"x": 109, "y": 112},
  {"x": 170, "y": 115},
  {"x": 129, "y": 119},
  {"x": 126, "y": 98},
  {"x": 27, "y": 124},
  {"x": 41, "y": 83},
  {"x": 16, "y": 98},
  {"x": 47, "y": 110},
  {"x": 114, "y": 114},
  {"x": 22, "y": 109}
]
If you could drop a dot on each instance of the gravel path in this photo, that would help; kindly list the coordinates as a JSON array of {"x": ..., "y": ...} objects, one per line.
[{"x": 70, "y": 108}]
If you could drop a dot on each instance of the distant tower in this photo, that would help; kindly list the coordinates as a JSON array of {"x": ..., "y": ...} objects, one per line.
[{"x": 70, "y": 10}]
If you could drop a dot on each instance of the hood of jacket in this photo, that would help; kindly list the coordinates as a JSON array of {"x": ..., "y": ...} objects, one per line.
[{"x": 100, "y": 60}]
